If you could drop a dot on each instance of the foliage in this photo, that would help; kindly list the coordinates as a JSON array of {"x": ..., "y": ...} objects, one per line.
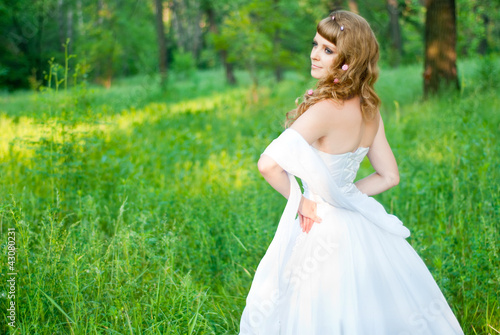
[
  {"x": 117, "y": 38},
  {"x": 183, "y": 65},
  {"x": 476, "y": 21},
  {"x": 264, "y": 35}
]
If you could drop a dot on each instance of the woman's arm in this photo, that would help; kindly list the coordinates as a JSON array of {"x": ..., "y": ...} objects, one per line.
[
  {"x": 382, "y": 159},
  {"x": 311, "y": 125},
  {"x": 274, "y": 175},
  {"x": 278, "y": 179}
]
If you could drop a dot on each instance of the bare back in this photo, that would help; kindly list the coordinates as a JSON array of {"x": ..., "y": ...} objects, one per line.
[
  {"x": 337, "y": 129},
  {"x": 347, "y": 130}
]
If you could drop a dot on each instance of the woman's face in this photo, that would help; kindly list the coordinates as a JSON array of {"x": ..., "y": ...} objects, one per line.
[{"x": 323, "y": 54}]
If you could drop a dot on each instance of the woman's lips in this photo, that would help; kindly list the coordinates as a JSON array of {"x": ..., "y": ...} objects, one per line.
[{"x": 315, "y": 66}]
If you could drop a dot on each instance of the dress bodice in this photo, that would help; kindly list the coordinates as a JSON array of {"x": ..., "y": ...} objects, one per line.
[{"x": 343, "y": 168}]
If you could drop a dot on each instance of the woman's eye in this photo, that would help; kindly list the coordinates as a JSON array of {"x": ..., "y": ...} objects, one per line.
[
  {"x": 328, "y": 51},
  {"x": 314, "y": 44}
]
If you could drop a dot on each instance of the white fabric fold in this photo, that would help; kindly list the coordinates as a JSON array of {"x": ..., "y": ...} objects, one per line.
[
  {"x": 292, "y": 152},
  {"x": 261, "y": 314}
]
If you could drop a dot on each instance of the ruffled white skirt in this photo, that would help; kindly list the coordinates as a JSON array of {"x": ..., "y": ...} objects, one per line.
[{"x": 347, "y": 276}]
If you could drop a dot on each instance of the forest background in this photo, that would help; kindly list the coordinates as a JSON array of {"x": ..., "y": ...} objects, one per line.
[
  {"x": 116, "y": 39},
  {"x": 129, "y": 194}
]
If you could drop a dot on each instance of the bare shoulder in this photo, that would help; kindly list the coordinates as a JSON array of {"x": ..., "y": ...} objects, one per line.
[
  {"x": 316, "y": 121},
  {"x": 328, "y": 106},
  {"x": 317, "y": 113},
  {"x": 346, "y": 112},
  {"x": 325, "y": 111},
  {"x": 329, "y": 113}
]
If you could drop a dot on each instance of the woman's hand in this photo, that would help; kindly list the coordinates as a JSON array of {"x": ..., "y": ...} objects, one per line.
[{"x": 307, "y": 214}]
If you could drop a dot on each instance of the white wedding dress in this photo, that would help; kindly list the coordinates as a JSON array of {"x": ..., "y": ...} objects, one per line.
[{"x": 348, "y": 275}]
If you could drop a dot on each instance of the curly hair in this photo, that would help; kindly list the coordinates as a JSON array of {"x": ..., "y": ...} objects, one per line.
[{"x": 358, "y": 47}]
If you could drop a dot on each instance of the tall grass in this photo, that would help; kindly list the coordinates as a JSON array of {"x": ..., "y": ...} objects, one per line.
[{"x": 139, "y": 211}]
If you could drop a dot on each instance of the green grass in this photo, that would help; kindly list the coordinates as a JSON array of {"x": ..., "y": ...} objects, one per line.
[{"x": 140, "y": 211}]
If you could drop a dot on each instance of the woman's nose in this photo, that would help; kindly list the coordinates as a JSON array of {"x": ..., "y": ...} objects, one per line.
[{"x": 314, "y": 54}]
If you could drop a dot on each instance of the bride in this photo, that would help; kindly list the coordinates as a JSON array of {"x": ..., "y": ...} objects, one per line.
[{"x": 343, "y": 266}]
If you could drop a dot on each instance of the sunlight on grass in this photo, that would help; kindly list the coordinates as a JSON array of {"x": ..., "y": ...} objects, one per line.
[
  {"x": 28, "y": 130},
  {"x": 155, "y": 111},
  {"x": 25, "y": 133},
  {"x": 220, "y": 171}
]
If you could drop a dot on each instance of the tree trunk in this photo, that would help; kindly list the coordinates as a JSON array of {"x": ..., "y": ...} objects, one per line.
[
  {"x": 397, "y": 45},
  {"x": 333, "y": 5},
  {"x": 230, "y": 77},
  {"x": 197, "y": 33},
  {"x": 60, "y": 24},
  {"x": 440, "y": 46},
  {"x": 483, "y": 43},
  {"x": 228, "y": 67},
  {"x": 162, "y": 43},
  {"x": 186, "y": 17},
  {"x": 278, "y": 69},
  {"x": 99, "y": 18},
  {"x": 69, "y": 29},
  {"x": 99, "y": 9},
  {"x": 79, "y": 14},
  {"x": 353, "y": 6},
  {"x": 41, "y": 31}
]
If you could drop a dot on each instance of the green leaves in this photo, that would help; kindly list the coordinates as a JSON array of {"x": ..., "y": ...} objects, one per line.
[{"x": 263, "y": 35}]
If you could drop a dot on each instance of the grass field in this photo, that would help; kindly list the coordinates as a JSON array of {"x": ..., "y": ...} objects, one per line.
[{"x": 139, "y": 211}]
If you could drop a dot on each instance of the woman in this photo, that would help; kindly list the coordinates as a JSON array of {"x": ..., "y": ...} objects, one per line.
[{"x": 344, "y": 266}]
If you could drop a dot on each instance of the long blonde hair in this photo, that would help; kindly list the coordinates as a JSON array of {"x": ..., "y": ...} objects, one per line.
[{"x": 357, "y": 47}]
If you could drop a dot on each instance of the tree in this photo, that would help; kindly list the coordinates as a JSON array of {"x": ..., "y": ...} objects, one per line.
[
  {"x": 162, "y": 43},
  {"x": 478, "y": 27},
  {"x": 332, "y": 5},
  {"x": 221, "y": 47},
  {"x": 483, "y": 42},
  {"x": 186, "y": 18},
  {"x": 353, "y": 6},
  {"x": 440, "y": 46},
  {"x": 396, "y": 41},
  {"x": 278, "y": 68},
  {"x": 268, "y": 35}
]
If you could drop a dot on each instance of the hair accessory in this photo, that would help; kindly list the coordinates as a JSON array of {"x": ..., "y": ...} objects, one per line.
[
  {"x": 342, "y": 28},
  {"x": 336, "y": 80},
  {"x": 345, "y": 67},
  {"x": 310, "y": 92},
  {"x": 333, "y": 17}
]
